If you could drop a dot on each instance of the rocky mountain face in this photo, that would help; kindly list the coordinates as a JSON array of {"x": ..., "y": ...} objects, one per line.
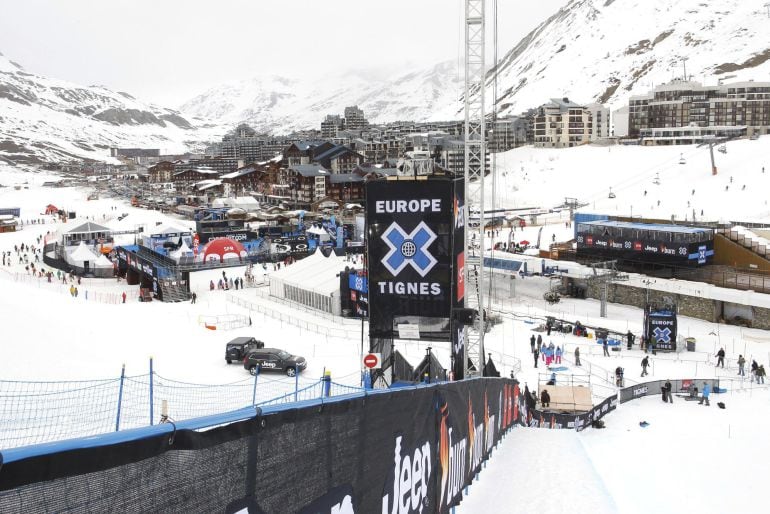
[
  {"x": 280, "y": 105},
  {"x": 43, "y": 119},
  {"x": 607, "y": 50}
]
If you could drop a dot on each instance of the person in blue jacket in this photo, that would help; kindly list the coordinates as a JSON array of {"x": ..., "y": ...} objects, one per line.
[
  {"x": 558, "y": 354},
  {"x": 706, "y": 393}
]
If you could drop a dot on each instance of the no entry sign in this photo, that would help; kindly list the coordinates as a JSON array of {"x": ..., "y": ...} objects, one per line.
[{"x": 373, "y": 360}]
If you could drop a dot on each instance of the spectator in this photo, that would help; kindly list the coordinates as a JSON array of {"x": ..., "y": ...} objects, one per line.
[
  {"x": 552, "y": 380},
  {"x": 645, "y": 363},
  {"x": 754, "y": 368},
  {"x": 761, "y": 374},
  {"x": 535, "y": 354},
  {"x": 194, "y": 297},
  {"x": 721, "y": 357},
  {"x": 605, "y": 347},
  {"x": 545, "y": 399},
  {"x": 558, "y": 354},
  {"x": 667, "y": 392},
  {"x": 532, "y": 343},
  {"x": 706, "y": 393},
  {"x": 741, "y": 363},
  {"x": 619, "y": 376},
  {"x": 577, "y": 356}
]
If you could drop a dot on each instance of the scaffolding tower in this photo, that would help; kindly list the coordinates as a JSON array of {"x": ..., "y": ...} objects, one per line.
[{"x": 474, "y": 185}]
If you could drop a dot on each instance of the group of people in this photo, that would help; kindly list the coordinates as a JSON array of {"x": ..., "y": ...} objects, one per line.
[
  {"x": 548, "y": 354},
  {"x": 757, "y": 371},
  {"x": 226, "y": 284}
]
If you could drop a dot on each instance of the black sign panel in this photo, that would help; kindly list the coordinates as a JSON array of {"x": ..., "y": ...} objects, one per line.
[
  {"x": 660, "y": 328},
  {"x": 657, "y": 251},
  {"x": 458, "y": 296},
  {"x": 411, "y": 226}
]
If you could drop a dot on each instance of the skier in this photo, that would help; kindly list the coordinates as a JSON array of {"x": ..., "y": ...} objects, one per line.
[
  {"x": 721, "y": 357},
  {"x": 741, "y": 363},
  {"x": 577, "y": 356},
  {"x": 645, "y": 363}
]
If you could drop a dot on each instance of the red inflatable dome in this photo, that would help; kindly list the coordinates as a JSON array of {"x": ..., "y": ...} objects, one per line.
[{"x": 220, "y": 250}]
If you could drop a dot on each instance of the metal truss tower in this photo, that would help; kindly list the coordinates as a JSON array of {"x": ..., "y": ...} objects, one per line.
[{"x": 475, "y": 151}]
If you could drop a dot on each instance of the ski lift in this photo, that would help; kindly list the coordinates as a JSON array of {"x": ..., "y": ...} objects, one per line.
[
  {"x": 656, "y": 180},
  {"x": 681, "y": 159},
  {"x": 722, "y": 148},
  {"x": 611, "y": 195}
]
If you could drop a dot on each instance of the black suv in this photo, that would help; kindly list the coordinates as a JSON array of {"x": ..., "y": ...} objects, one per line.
[
  {"x": 237, "y": 349},
  {"x": 273, "y": 359}
]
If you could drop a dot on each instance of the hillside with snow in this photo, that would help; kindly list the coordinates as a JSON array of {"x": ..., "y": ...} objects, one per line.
[
  {"x": 44, "y": 119},
  {"x": 590, "y": 51},
  {"x": 657, "y": 182},
  {"x": 607, "y": 50},
  {"x": 279, "y": 105}
]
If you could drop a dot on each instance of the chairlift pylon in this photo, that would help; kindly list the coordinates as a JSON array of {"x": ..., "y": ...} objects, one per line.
[
  {"x": 681, "y": 159},
  {"x": 656, "y": 180},
  {"x": 611, "y": 195}
]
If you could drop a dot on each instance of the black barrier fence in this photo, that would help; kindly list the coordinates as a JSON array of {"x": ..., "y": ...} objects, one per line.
[
  {"x": 542, "y": 418},
  {"x": 677, "y": 386},
  {"x": 408, "y": 450}
]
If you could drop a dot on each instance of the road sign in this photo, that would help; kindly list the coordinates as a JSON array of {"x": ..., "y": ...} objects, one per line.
[{"x": 373, "y": 360}]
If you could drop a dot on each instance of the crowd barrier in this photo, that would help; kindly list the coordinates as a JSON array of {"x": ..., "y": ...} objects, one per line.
[
  {"x": 43, "y": 412},
  {"x": 405, "y": 450}
]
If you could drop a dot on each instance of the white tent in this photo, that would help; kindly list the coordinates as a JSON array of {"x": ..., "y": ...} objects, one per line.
[
  {"x": 312, "y": 281},
  {"x": 103, "y": 262},
  {"x": 182, "y": 251},
  {"x": 80, "y": 255}
]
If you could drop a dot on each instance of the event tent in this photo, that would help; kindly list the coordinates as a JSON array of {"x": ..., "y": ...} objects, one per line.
[
  {"x": 80, "y": 255},
  {"x": 313, "y": 281}
]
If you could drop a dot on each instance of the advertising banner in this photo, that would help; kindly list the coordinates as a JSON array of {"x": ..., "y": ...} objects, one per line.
[
  {"x": 644, "y": 249},
  {"x": 410, "y": 254},
  {"x": 660, "y": 327}
]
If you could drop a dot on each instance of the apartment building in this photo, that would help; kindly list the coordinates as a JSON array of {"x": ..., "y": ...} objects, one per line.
[
  {"x": 686, "y": 112},
  {"x": 561, "y": 123}
]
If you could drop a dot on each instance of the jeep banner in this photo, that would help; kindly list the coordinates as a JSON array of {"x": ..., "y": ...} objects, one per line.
[{"x": 410, "y": 255}]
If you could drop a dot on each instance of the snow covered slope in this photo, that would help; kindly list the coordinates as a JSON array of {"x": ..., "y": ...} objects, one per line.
[
  {"x": 590, "y": 50},
  {"x": 43, "y": 119},
  {"x": 607, "y": 50},
  {"x": 541, "y": 177},
  {"x": 279, "y": 104}
]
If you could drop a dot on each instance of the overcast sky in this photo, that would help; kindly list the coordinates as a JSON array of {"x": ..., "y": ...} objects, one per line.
[{"x": 167, "y": 51}]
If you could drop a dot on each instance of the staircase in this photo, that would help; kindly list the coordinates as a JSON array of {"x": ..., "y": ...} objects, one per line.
[
  {"x": 173, "y": 290},
  {"x": 740, "y": 247}
]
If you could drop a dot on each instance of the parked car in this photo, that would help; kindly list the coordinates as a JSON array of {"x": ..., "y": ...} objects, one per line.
[
  {"x": 273, "y": 359},
  {"x": 237, "y": 349}
]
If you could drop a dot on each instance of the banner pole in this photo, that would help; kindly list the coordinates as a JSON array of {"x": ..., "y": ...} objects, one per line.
[
  {"x": 151, "y": 393},
  {"x": 254, "y": 392},
  {"x": 120, "y": 397}
]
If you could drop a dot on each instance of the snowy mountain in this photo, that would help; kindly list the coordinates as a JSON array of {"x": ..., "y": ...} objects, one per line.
[
  {"x": 43, "y": 119},
  {"x": 590, "y": 50},
  {"x": 279, "y": 104},
  {"x": 608, "y": 50}
]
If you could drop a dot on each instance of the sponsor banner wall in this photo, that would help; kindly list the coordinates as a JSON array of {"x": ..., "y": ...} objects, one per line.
[
  {"x": 403, "y": 451},
  {"x": 680, "y": 254},
  {"x": 654, "y": 387}
]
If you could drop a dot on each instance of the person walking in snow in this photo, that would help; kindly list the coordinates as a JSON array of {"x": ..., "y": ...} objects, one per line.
[
  {"x": 535, "y": 354},
  {"x": 645, "y": 363},
  {"x": 193, "y": 298},
  {"x": 761, "y": 374},
  {"x": 532, "y": 343},
  {"x": 705, "y": 394},
  {"x": 540, "y": 341},
  {"x": 542, "y": 351},
  {"x": 577, "y": 356},
  {"x": 558, "y": 354},
  {"x": 754, "y": 368},
  {"x": 741, "y": 363},
  {"x": 605, "y": 347},
  {"x": 124, "y": 296},
  {"x": 721, "y": 357}
]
